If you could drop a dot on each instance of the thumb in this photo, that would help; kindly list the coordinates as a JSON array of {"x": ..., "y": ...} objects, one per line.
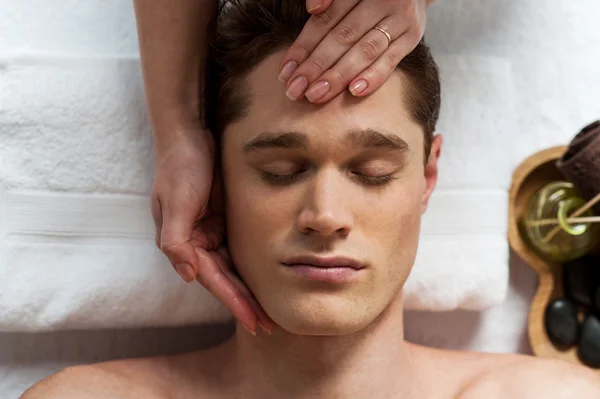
[
  {"x": 175, "y": 240},
  {"x": 317, "y": 6}
]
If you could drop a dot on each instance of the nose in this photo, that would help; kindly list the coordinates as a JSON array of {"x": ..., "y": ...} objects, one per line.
[{"x": 325, "y": 210}]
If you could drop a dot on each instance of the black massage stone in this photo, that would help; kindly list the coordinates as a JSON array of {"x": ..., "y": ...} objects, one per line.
[
  {"x": 589, "y": 343},
  {"x": 561, "y": 322},
  {"x": 581, "y": 279}
]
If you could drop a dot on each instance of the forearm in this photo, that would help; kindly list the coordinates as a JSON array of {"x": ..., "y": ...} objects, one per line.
[{"x": 173, "y": 44}]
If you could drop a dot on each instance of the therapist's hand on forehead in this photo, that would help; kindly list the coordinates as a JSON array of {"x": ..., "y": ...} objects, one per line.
[
  {"x": 346, "y": 44},
  {"x": 351, "y": 44}
]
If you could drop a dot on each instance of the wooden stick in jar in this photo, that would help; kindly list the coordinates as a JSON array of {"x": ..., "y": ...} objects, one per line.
[
  {"x": 572, "y": 220},
  {"x": 577, "y": 213}
]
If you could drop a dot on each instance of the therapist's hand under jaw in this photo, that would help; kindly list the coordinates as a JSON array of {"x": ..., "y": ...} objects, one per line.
[
  {"x": 190, "y": 226},
  {"x": 351, "y": 44}
]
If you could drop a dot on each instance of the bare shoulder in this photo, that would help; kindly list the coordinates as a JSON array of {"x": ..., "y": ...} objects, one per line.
[
  {"x": 518, "y": 376},
  {"x": 127, "y": 379}
]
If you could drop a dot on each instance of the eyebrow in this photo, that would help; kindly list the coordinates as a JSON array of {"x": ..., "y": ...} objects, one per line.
[{"x": 365, "y": 138}]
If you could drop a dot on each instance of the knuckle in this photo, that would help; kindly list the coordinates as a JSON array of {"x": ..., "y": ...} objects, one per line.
[
  {"x": 377, "y": 75},
  {"x": 211, "y": 280},
  {"x": 392, "y": 59},
  {"x": 406, "y": 6},
  {"x": 370, "y": 49},
  {"x": 168, "y": 246},
  {"x": 345, "y": 35},
  {"x": 318, "y": 64},
  {"x": 338, "y": 74},
  {"x": 201, "y": 278},
  {"x": 300, "y": 50},
  {"x": 321, "y": 20},
  {"x": 415, "y": 34},
  {"x": 207, "y": 279},
  {"x": 411, "y": 14}
]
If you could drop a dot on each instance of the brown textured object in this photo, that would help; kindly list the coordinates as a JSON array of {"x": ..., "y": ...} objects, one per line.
[
  {"x": 530, "y": 176},
  {"x": 580, "y": 164}
]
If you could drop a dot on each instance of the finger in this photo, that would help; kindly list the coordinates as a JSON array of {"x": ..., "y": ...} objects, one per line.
[
  {"x": 157, "y": 217},
  {"x": 317, "y": 27},
  {"x": 317, "y": 6},
  {"x": 185, "y": 270},
  {"x": 226, "y": 265},
  {"x": 176, "y": 233},
  {"x": 217, "y": 283},
  {"x": 332, "y": 48},
  {"x": 375, "y": 75},
  {"x": 267, "y": 324},
  {"x": 357, "y": 59}
]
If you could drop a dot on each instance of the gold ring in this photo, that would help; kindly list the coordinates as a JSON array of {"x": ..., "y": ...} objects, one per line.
[{"x": 380, "y": 29}]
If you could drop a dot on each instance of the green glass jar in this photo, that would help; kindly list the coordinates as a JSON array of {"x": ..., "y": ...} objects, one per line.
[{"x": 545, "y": 226}]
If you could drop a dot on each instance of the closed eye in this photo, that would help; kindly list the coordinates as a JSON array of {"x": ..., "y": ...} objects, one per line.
[
  {"x": 288, "y": 178},
  {"x": 281, "y": 179},
  {"x": 374, "y": 180}
]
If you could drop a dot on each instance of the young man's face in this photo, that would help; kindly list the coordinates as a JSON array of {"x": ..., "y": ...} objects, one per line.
[{"x": 308, "y": 184}]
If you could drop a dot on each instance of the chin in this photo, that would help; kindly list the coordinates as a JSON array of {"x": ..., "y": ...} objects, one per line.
[{"x": 320, "y": 314}]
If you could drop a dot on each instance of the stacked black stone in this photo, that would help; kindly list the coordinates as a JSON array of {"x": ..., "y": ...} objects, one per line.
[{"x": 581, "y": 283}]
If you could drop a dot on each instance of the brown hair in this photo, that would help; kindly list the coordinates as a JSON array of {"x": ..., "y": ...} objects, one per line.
[{"x": 245, "y": 32}]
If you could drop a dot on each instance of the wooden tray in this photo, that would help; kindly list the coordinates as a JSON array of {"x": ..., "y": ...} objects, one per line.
[{"x": 530, "y": 176}]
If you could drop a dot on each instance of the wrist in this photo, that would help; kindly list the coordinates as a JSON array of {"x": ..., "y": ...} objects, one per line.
[
  {"x": 165, "y": 117},
  {"x": 187, "y": 134},
  {"x": 168, "y": 128}
]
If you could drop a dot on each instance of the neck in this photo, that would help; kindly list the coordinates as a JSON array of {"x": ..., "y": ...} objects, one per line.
[{"x": 372, "y": 363}]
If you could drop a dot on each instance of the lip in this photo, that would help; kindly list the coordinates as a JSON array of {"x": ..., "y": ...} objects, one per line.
[
  {"x": 333, "y": 270},
  {"x": 324, "y": 262}
]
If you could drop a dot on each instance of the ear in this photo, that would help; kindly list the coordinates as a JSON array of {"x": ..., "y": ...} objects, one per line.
[{"x": 431, "y": 171}]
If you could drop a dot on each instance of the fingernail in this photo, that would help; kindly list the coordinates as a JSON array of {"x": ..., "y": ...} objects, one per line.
[
  {"x": 296, "y": 89},
  {"x": 358, "y": 87},
  {"x": 312, "y": 5},
  {"x": 288, "y": 69},
  {"x": 253, "y": 333},
  {"x": 186, "y": 272},
  {"x": 265, "y": 329},
  {"x": 317, "y": 91}
]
